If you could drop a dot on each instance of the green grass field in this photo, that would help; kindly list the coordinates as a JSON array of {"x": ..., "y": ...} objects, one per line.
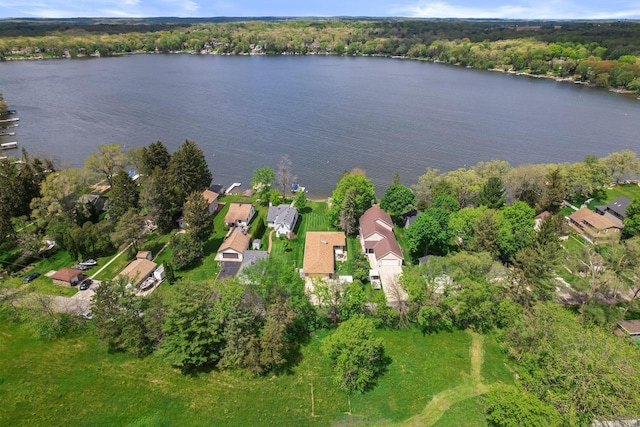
[
  {"x": 632, "y": 191},
  {"x": 74, "y": 381}
]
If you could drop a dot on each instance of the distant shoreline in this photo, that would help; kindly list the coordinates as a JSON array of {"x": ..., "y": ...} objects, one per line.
[{"x": 498, "y": 70}]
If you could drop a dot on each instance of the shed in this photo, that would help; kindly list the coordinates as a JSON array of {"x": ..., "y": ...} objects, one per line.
[{"x": 67, "y": 276}]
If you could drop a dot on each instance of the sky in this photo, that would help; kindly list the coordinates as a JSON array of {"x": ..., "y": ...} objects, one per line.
[{"x": 505, "y": 9}]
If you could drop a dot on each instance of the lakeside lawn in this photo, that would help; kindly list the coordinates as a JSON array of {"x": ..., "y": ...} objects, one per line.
[
  {"x": 632, "y": 191},
  {"x": 74, "y": 381}
]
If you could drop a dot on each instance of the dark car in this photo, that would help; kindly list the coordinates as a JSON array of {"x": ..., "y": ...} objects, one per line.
[
  {"x": 31, "y": 277},
  {"x": 85, "y": 284}
]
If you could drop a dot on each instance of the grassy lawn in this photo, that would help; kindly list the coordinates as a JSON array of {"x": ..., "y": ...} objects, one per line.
[
  {"x": 115, "y": 267},
  {"x": 74, "y": 381},
  {"x": 632, "y": 191}
]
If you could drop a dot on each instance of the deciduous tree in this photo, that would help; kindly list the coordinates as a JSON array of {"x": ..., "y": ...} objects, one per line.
[
  {"x": 262, "y": 181},
  {"x": 107, "y": 161},
  {"x": 397, "y": 200},
  {"x": 285, "y": 175},
  {"x": 124, "y": 194},
  {"x": 363, "y": 195}
]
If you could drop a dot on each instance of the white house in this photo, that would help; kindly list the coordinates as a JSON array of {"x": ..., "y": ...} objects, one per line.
[
  {"x": 234, "y": 246},
  {"x": 282, "y": 219},
  {"x": 239, "y": 214}
]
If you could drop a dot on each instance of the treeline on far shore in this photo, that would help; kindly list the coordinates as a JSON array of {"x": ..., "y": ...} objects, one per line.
[{"x": 600, "y": 53}]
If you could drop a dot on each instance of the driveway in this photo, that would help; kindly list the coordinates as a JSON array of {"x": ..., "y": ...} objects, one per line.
[
  {"x": 228, "y": 269},
  {"x": 79, "y": 303},
  {"x": 389, "y": 275}
]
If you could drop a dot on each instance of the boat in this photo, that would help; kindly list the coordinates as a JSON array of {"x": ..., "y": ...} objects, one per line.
[
  {"x": 8, "y": 145},
  {"x": 9, "y": 120},
  {"x": 89, "y": 263},
  {"x": 7, "y": 134}
]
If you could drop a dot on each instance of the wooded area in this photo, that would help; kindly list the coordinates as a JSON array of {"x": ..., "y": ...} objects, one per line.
[{"x": 602, "y": 53}]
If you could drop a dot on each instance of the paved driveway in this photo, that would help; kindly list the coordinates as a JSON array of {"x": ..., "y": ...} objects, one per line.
[{"x": 389, "y": 275}]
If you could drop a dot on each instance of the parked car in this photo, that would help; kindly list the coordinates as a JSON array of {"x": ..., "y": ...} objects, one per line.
[
  {"x": 80, "y": 267},
  {"x": 85, "y": 284},
  {"x": 89, "y": 263},
  {"x": 85, "y": 315},
  {"x": 31, "y": 277}
]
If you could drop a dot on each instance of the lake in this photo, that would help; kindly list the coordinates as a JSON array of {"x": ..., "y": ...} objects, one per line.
[{"x": 329, "y": 114}]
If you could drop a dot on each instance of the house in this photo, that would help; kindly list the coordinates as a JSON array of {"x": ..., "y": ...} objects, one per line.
[
  {"x": 212, "y": 203},
  {"x": 251, "y": 257},
  {"x": 631, "y": 327},
  {"x": 321, "y": 250},
  {"x": 212, "y": 200},
  {"x": 377, "y": 238},
  {"x": 67, "y": 276},
  {"x": 137, "y": 272},
  {"x": 616, "y": 211},
  {"x": 216, "y": 188},
  {"x": 239, "y": 214},
  {"x": 144, "y": 255},
  {"x": 234, "y": 246},
  {"x": 584, "y": 221},
  {"x": 282, "y": 219},
  {"x": 540, "y": 218},
  {"x": 409, "y": 217}
]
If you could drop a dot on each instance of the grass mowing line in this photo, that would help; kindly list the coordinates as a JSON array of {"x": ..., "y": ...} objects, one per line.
[{"x": 443, "y": 401}]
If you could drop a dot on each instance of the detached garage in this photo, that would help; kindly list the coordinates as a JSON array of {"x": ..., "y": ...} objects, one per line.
[{"x": 232, "y": 249}]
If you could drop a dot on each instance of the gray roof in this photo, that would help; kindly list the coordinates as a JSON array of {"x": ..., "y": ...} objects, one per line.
[
  {"x": 282, "y": 214},
  {"x": 619, "y": 206},
  {"x": 252, "y": 256}
]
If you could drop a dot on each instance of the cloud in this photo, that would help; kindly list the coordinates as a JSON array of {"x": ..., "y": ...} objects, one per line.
[{"x": 544, "y": 9}]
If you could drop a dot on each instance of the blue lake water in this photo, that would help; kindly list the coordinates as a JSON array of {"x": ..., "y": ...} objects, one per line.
[{"x": 329, "y": 114}]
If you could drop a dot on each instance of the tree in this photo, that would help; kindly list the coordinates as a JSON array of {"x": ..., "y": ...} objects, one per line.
[
  {"x": 493, "y": 194},
  {"x": 185, "y": 250},
  {"x": 554, "y": 191},
  {"x": 363, "y": 196},
  {"x": 124, "y": 194},
  {"x": 353, "y": 301},
  {"x": 397, "y": 200},
  {"x": 526, "y": 183},
  {"x": 262, "y": 181},
  {"x": 348, "y": 220},
  {"x": 189, "y": 171},
  {"x": 593, "y": 373},
  {"x": 425, "y": 185},
  {"x": 59, "y": 194},
  {"x": 197, "y": 217},
  {"x": 118, "y": 317},
  {"x": 128, "y": 230},
  {"x": 193, "y": 334},
  {"x": 632, "y": 221},
  {"x": 515, "y": 229},
  {"x": 622, "y": 163},
  {"x": 160, "y": 196},
  {"x": 154, "y": 156},
  {"x": 429, "y": 233},
  {"x": 108, "y": 160},
  {"x": 300, "y": 199},
  {"x": 275, "y": 340},
  {"x": 356, "y": 354},
  {"x": 513, "y": 406},
  {"x": 286, "y": 178}
]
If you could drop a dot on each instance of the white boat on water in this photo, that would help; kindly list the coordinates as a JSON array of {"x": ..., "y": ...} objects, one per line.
[{"x": 8, "y": 145}]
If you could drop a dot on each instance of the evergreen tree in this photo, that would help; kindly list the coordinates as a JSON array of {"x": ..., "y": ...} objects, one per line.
[
  {"x": 124, "y": 195},
  {"x": 493, "y": 194},
  {"x": 554, "y": 192},
  {"x": 196, "y": 215},
  {"x": 189, "y": 171},
  {"x": 154, "y": 156},
  {"x": 348, "y": 214}
]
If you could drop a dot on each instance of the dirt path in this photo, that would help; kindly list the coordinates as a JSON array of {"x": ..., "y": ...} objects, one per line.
[
  {"x": 473, "y": 386},
  {"x": 270, "y": 241}
]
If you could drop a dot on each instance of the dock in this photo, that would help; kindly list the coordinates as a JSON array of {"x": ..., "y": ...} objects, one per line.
[
  {"x": 8, "y": 145},
  {"x": 9, "y": 120},
  {"x": 7, "y": 133},
  {"x": 15, "y": 125},
  {"x": 234, "y": 185}
]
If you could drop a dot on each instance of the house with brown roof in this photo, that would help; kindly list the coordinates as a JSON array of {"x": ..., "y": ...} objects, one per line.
[
  {"x": 321, "y": 251},
  {"x": 585, "y": 221},
  {"x": 239, "y": 214},
  {"x": 377, "y": 238},
  {"x": 631, "y": 327},
  {"x": 212, "y": 200},
  {"x": 540, "y": 218},
  {"x": 234, "y": 246},
  {"x": 137, "y": 272},
  {"x": 67, "y": 276}
]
